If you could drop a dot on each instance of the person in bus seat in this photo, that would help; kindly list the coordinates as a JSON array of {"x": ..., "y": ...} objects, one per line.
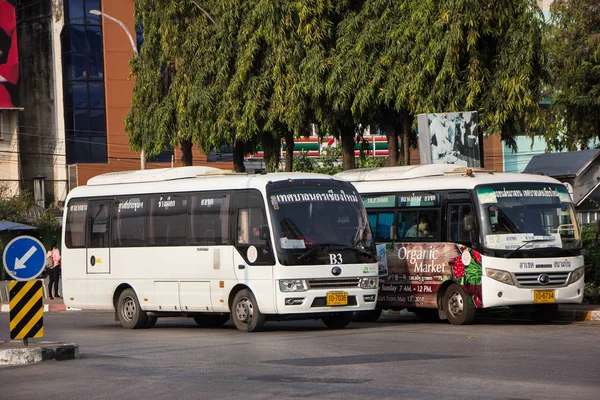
[{"x": 421, "y": 229}]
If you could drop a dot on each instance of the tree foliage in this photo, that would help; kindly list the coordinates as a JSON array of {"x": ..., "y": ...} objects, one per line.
[
  {"x": 574, "y": 48},
  {"x": 250, "y": 72}
]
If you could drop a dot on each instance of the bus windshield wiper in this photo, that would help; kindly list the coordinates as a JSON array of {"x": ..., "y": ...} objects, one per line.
[
  {"x": 319, "y": 246},
  {"x": 525, "y": 244}
]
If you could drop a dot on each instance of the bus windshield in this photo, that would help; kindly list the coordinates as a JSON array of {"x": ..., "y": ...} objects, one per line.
[
  {"x": 314, "y": 219},
  {"x": 522, "y": 217}
]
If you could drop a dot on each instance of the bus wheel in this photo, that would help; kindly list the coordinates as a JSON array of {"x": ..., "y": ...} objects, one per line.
[
  {"x": 367, "y": 316},
  {"x": 211, "y": 320},
  {"x": 337, "y": 321},
  {"x": 457, "y": 308},
  {"x": 131, "y": 315},
  {"x": 245, "y": 313},
  {"x": 150, "y": 322},
  {"x": 545, "y": 313}
]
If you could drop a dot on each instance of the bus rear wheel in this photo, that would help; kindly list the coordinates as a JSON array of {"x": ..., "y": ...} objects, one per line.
[
  {"x": 211, "y": 320},
  {"x": 337, "y": 321},
  {"x": 129, "y": 312},
  {"x": 457, "y": 307},
  {"x": 245, "y": 313}
]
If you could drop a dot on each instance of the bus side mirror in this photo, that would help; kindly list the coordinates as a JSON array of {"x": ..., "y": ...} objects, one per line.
[
  {"x": 264, "y": 232},
  {"x": 393, "y": 233}
]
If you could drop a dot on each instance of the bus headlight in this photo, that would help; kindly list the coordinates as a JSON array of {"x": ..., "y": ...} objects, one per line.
[
  {"x": 293, "y": 285},
  {"x": 369, "y": 283},
  {"x": 576, "y": 275},
  {"x": 500, "y": 276}
]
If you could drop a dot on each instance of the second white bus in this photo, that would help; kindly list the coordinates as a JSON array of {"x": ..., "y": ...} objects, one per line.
[
  {"x": 214, "y": 245},
  {"x": 456, "y": 240}
]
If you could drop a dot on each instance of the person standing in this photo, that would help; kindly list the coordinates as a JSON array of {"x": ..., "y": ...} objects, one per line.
[{"x": 54, "y": 270}]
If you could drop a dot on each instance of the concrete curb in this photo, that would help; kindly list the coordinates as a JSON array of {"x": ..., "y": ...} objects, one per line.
[
  {"x": 15, "y": 353},
  {"x": 47, "y": 308},
  {"x": 579, "y": 315},
  {"x": 564, "y": 315}
]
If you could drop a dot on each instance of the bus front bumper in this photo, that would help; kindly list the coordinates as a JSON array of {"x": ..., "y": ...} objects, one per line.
[
  {"x": 326, "y": 301},
  {"x": 499, "y": 294}
]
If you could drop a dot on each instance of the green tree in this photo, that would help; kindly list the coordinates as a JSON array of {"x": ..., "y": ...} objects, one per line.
[
  {"x": 574, "y": 60},
  {"x": 159, "y": 113},
  {"x": 478, "y": 55}
]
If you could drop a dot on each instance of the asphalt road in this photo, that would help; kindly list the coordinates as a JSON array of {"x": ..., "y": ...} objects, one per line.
[{"x": 395, "y": 358}]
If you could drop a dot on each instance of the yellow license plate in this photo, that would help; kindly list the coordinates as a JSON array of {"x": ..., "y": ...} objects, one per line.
[
  {"x": 337, "y": 299},
  {"x": 543, "y": 296}
]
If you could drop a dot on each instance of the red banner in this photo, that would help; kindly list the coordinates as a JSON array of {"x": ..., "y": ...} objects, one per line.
[{"x": 9, "y": 56}]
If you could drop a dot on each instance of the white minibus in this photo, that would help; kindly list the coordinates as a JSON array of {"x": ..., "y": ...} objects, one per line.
[
  {"x": 214, "y": 245},
  {"x": 454, "y": 240}
]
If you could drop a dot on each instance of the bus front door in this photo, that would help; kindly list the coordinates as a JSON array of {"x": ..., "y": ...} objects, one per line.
[{"x": 98, "y": 250}]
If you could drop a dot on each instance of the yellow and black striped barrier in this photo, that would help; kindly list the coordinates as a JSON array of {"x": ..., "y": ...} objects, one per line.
[{"x": 26, "y": 309}]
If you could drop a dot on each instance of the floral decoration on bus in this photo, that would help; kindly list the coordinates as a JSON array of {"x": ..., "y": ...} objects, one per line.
[{"x": 466, "y": 271}]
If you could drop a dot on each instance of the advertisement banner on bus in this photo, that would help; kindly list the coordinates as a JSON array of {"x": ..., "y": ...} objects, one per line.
[{"x": 417, "y": 270}]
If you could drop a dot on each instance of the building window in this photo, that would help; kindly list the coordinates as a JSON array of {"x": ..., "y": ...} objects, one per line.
[{"x": 83, "y": 77}]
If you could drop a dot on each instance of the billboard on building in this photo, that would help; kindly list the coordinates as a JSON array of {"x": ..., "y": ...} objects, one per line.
[
  {"x": 9, "y": 56},
  {"x": 450, "y": 138}
]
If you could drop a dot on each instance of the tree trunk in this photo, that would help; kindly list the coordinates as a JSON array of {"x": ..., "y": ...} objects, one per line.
[
  {"x": 272, "y": 151},
  {"x": 238, "y": 157},
  {"x": 289, "y": 151},
  {"x": 392, "y": 142},
  {"x": 186, "y": 152},
  {"x": 347, "y": 137}
]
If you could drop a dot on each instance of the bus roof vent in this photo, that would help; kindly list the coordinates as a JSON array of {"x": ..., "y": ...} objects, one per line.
[
  {"x": 395, "y": 173},
  {"x": 156, "y": 175}
]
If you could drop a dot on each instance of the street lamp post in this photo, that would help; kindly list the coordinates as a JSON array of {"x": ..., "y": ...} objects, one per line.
[{"x": 135, "y": 51}]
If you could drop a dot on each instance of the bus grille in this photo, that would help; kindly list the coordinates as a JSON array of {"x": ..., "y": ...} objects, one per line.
[
  {"x": 531, "y": 279},
  {"x": 332, "y": 283}
]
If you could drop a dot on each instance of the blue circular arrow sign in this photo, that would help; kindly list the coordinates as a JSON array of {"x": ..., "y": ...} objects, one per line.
[{"x": 24, "y": 258}]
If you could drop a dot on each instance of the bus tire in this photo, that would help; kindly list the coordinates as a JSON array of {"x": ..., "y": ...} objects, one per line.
[
  {"x": 337, "y": 321},
  {"x": 367, "y": 316},
  {"x": 129, "y": 312},
  {"x": 150, "y": 322},
  {"x": 245, "y": 313},
  {"x": 457, "y": 307},
  {"x": 545, "y": 313},
  {"x": 211, "y": 320}
]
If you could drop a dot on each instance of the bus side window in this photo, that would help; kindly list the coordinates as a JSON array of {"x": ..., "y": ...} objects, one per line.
[
  {"x": 460, "y": 223},
  {"x": 129, "y": 222},
  {"x": 209, "y": 219},
  {"x": 250, "y": 215},
  {"x": 418, "y": 225},
  {"x": 167, "y": 220},
  {"x": 380, "y": 223},
  {"x": 99, "y": 222},
  {"x": 76, "y": 224}
]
